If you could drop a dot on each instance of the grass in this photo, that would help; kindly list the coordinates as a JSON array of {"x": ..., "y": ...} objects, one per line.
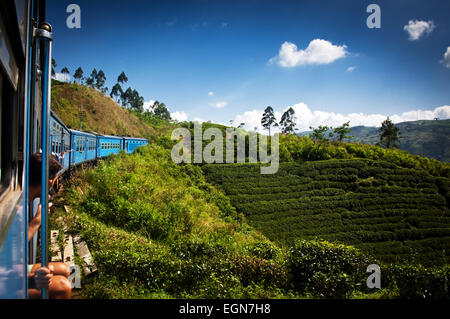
[{"x": 103, "y": 114}]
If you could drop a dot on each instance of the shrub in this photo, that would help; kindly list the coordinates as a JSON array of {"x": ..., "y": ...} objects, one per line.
[{"x": 327, "y": 270}]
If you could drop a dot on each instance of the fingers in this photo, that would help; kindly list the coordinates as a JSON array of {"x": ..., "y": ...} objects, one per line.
[{"x": 42, "y": 277}]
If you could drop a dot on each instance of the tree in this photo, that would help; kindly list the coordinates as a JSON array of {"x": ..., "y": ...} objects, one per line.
[
  {"x": 78, "y": 75},
  {"x": 116, "y": 91},
  {"x": 136, "y": 101},
  {"x": 53, "y": 67},
  {"x": 341, "y": 131},
  {"x": 389, "y": 134},
  {"x": 100, "y": 80},
  {"x": 288, "y": 121},
  {"x": 65, "y": 71},
  {"x": 90, "y": 81},
  {"x": 122, "y": 78},
  {"x": 268, "y": 119},
  {"x": 318, "y": 134},
  {"x": 241, "y": 125},
  {"x": 161, "y": 111},
  {"x": 125, "y": 97}
]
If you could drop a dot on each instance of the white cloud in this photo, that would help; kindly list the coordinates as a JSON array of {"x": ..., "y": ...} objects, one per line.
[
  {"x": 417, "y": 28},
  {"x": 351, "y": 68},
  {"x": 148, "y": 105},
  {"x": 210, "y": 93},
  {"x": 219, "y": 104},
  {"x": 307, "y": 117},
  {"x": 224, "y": 25},
  {"x": 318, "y": 52},
  {"x": 199, "y": 120},
  {"x": 62, "y": 77},
  {"x": 179, "y": 116},
  {"x": 446, "y": 60}
]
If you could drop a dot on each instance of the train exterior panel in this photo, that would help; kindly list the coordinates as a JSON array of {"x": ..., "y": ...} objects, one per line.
[
  {"x": 132, "y": 143},
  {"x": 60, "y": 141},
  {"x": 107, "y": 145},
  {"x": 83, "y": 147}
]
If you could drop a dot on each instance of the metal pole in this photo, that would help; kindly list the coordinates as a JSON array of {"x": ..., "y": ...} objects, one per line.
[{"x": 44, "y": 34}]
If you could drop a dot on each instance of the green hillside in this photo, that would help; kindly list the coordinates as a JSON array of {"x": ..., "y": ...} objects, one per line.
[
  {"x": 161, "y": 230},
  {"x": 395, "y": 213},
  {"x": 102, "y": 114},
  {"x": 425, "y": 138}
]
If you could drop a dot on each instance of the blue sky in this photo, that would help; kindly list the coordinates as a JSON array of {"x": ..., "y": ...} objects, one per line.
[{"x": 332, "y": 67}]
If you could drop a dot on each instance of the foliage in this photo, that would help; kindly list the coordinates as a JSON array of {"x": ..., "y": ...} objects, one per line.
[
  {"x": 288, "y": 121},
  {"x": 268, "y": 119},
  {"x": 389, "y": 134},
  {"x": 342, "y": 131},
  {"x": 374, "y": 205},
  {"x": 326, "y": 270}
]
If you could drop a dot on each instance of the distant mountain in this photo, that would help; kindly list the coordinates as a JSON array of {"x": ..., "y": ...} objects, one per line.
[{"x": 426, "y": 138}]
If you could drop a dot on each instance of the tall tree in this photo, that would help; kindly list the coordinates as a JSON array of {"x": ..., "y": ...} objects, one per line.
[
  {"x": 268, "y": 119},
  {"x": 389, "y": 134},
  {"x": 65, "y": 71},
  {"x": 116, "y": 91},
  {"x": 122, "y": 78},
  {"x": 78, "y": 75},
  {"x": 343, "y": 130},
  {"x": 91, "y": 81},
  {"x": 125, "y": 97},
  {"x": 136, "y": 101},
  {"x": 318, "y": 134},
  {"x": 161, "y": 111},
  {"x": 54, "y": 65},
  {"x": 288, "y": 121},
  {"x": 100, "y": 80}
]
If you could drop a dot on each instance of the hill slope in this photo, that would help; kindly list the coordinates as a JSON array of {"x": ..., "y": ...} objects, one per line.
[
  {"x": 425, "y": 138},
  {"x": 374, "y": 205},
  {"x": 103, "y": 114}
]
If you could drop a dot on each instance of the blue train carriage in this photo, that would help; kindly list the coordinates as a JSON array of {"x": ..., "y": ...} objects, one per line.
[
  {"x": 132, "y": 143},
  {"x": 108, "y": 144},
  {"x": 24, "y": 104},
  {"x": 60, "y": 141},
  {"x": 83, "y": 147}
]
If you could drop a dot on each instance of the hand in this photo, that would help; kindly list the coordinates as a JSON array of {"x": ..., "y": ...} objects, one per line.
[
  {"x": 42, "y": 277},
  {"x": 38, "y": 217}
]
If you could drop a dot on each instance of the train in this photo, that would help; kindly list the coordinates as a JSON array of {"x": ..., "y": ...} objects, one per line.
[
  {"x": 73, "y": 147},
  {"x": 28, "y": 126}
]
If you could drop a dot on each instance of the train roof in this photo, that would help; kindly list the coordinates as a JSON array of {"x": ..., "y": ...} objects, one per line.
[
  {"x": 80, "y": 133},
  {"x": 59, "y": 120},
  {"x": 135, "y": 138},
  {"x": 110, "y": 136}
]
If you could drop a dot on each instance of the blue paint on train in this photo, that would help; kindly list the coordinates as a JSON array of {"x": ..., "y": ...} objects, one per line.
[
  {"x": 12, "y": 256},
  {"x": 83, "y": 147},
  {"x": 132, "y": 143},
  {"x": 107, "y": 145}
]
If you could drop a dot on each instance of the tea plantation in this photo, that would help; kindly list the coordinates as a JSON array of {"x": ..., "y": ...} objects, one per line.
[{"x": 397, "y": 214}]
